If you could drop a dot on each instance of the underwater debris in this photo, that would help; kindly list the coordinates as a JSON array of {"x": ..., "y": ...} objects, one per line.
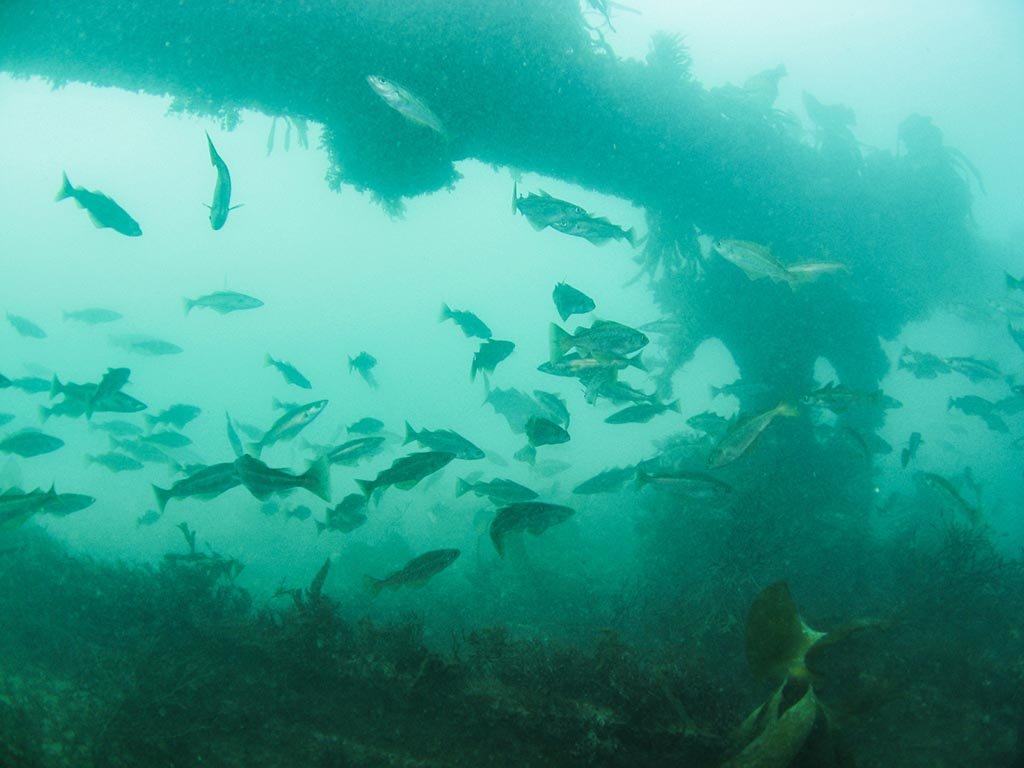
[{"x": 951, "y": 496}]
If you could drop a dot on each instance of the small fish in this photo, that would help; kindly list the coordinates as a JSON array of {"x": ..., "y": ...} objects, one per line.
[
  {"x": 116, "y": 462},
  {"x": 693, "y": 484},
  {"x": 149, "y": 517},
  {"x": 810, "y": 271},
  {"x": 147, "y": 345},
  {"x": 569, "y": 301},
  {"x": 910, "y": 451},
  {"x": 93, "y": 316},
  {"x": 541, "y": 431},
  {"x": 594, "y": 229},
  {"x": 741, "y": 389},
  {"x": 608, "y": 481},
  {"x": 365, "y": 426},
  {"x": 922, "y": 365},
  {"x": 104, "y": 212},
  {"x": 868, "y": 443},
  {"x": 618, "y": 392},
  {"x": 33, "y": 385},
  {"x": 527, "y": 454},
  {"x": 144, "y": 452},
  {"x": 167, "y": 439},
  {"x": 233, "y": 439},
  {"x": 407, "y": 471},
  {"x": 603, "y": 338},
  {"x": 263, "y": 481},
  {"x": 178, "y": 416},
  {"x": 364, "y": 363},
  {"x": 352, "y": 452},
  {"x": 533, "y": 517},
  {"x": 497, "y": 490},
  {"x": 444, "y": 441},
  {"x": 542, "y": 210},
  {"x": 206, "y": 483},
  {"x": 515, "y": 406},
  {"x": 119, "y": 428},
  {"x": 755, "y": 260},
  {"x": 491, "y": 353},
  {"x": 223, "y": 302},
  {"x": 30, "y": 443},
  {"x": 346, "y": 516},
  {"x": 290, "y": 424},
  {"x": 642, "y": 413},
  {"x": 974, "y": 369},
  {"x": 405, "y": 103},
  {"x": 839, "y": 398},
  {"x": 972, "y": 405},
  {"x": 951, "y": 496},
  {"x": 742, "y": 437},
  {"x": 221, "y": 205},
  {"x": 25, "y": 327},
  {"x": 708, "y": 422},
  {"x": 16, "y": 506},
  {"x": 63, "y": 504},
  {"x": 299, "y": 512},
  {"x": 416, "y": 573},
  {"x": 290, "y": 372},
  {"x": 471, "y": 325},
  {"x": 1013, "y": 284}
]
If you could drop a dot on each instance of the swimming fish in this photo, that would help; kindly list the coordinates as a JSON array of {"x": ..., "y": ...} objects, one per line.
[
  {"x": 533, "y": 517},
  {"x": 406, "y": 103},
  {"x": 738, "y": 441},
  {"x": 221, "y": 204},
  {"x": 223, "y": 302},
  {"x": 569, "y": 301},
  {"x": 290, "y": 372},
  {"x": 470, "y": 324},
  {"x": 104, "y": 212},
  {"x": 416, "y": 573}
]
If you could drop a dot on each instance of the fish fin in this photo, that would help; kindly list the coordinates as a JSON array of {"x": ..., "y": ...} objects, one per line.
[
  {"x": 367, "y": 487},
  {"x": 319, "y": 473},
  {"x": 66, "y": 190},
  {"x": 163, "y": 495},
  {"x": 642, "y": 478},
  {"x": 56, "y": 388},
  {"x": 187, "y": 304},
  {"x": 236, "y": 205},
  {"x": 255, "y": 449},
  {"x": 515, "y": 201},
  {"x": 214, "y": 157},
  {"x": 636, "y": 362},
  {"x": 372, "y": 585},
  {"x": 560, "y": 342},
  {"x": 498, "y": 540},
  {"x": 268, "y": 361},
  {"x": 410, "y": 434},
  {"x": 673, "y": 406},
  {"x": 320, "y": 527},
  {"x": 44, "y": 413},
  {"x": 462, "y": 488},
  {"x": 446, "y": 313}
]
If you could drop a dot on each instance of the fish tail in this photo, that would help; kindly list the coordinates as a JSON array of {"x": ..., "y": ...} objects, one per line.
[
  {"x": 673, "y": 406},
  {"x": 256, "y": 448},
  {"x": 559, "y": 342},
  {"x": 214, "y": 157},
  {"x": 163, "y": 495},
  {"x": 788, "y": 409},
  {"x": 410, "y": 434},
  {"x": 319, "y": 527},
  {"x": 950, "y": 404},
  {"x": 56, "y": 388},
  {"x": 187, "y": 303},
  {"x": 372, "y": 585},
  {"x": 515, "y": 200},
  {"x": 66, "y": 190},
  {"x": 351, "y": 363},
  {"x": 642, "y": 479},
  {"x": 462, "y": 488},
  {"x": 498, "y": 539},
  {"x": 473, "y": 368},
  {"x": 636, "y": 362},
  {"x": 45, "y": 413},
  {"x": 446, "y": 313},
  {"x": 367, "y": 487},
  {"x": 318, "y": 478},
  {"x": 269, "y": 361},
  {"x": 631, "y": 236}
]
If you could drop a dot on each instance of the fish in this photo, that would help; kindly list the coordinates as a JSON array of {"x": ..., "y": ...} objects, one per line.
[
  {"x": 405, "y": 103},
  {"x": 951, "y": 496},
  {"x": 868, "y": 443},
  {"x": 290, "y": 372},
  {"x": 594, "y": 229},
  {"x": 608, "y": 481},
  {"x": 233, "y": 439},
  {"x": 206, "y": 483},
  {"x": 541, "y": 431},
  {"x": 922, "y": 365},
  {"x": 149, "y": 517},
  {"x": 144, "y": 452},
  {"x": 63, "y": 504},
  {"x": 364, "y": 363},
  {"x": 299, "y": 512},
  {"x": 4, "y": 382},
  {"x": 974, "y": 369},
  {"x": 1017, "y": 334},
  {"x": 708, "y": 422},
  {"x": 696, "y": 485},
  {"x": 178, "y": 416},
  {"x": 6, "y": 418},
  {"x": 471, "y": 325},
  {"x": 533, "y": 517},
  {"x": 527, "y": 454},
  {"x": 641, "y": 413},
  {"x": 839, "y": 398},
  {"x": 491, "y": 352},
  {"x": 542, "y": 210},
  {"x": 444, "y": 441},
  {"x": 619, "y": 392},
  {"x": 167, "y": 439},
  {"x": 221, "y": 205},
  {"x": 102, "y": 210},
  {"x": 498, "y": 490},
  {"x": 1012, "y": 283},
  {"x": 972, "y": 405},
  {"x": 666, "y": 326},
  {"x": 808, "y": 272},
  {"x": 345, "y": 516},
  {"x": 570, "y": 301},
  {"x": 515, "y": 406},
  {"x": 93, "y": 315},
  {"x": 116, "y": 462},
  {"x": 263, "y": 481},
  {"x": 117, "y": 427},
  {"x": 365, "y": 426},
  {"x": 352, "y": 452},
  {"x": 30, "y": 443},
  {"x": 114, "y": 401},
  {"x": 742, "y": 437},
  {"x": 604, "y": 338},
  {"x": 407, "y": 471},
  {"x": 147, "y": 345},
  {"x": 740, "y": 389},
  {"x": 416, "y": 573},
  {"x": 755, "y": 260},
  {"x": 551, "y": 467},
  {"x": 290, "y": 424},
  {"x": 910, "y": 451},
  {"x": 32, "y": 385},
  {"x": 16, "y": 506},
  {"x": 25, "y": 327},
  {"x": 554, "y": 407},
  {"x": 223, "y": 302}
]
